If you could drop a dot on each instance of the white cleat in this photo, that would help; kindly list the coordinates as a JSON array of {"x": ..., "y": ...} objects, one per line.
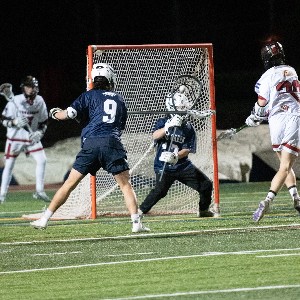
[
  {"x": 2, "y": 199},
  {"x": 139, "y": 227},
  {"x": 39, "y": 224},
  {"x": 41, "y": 196}
]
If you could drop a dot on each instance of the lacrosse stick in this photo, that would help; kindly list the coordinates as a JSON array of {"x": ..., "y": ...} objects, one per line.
[
  {"x": 7, "y": 93},
  {"x": 229, "y": 133},
  {"x": 197, "y": 114},
  {"x": 169, "y": 148}
]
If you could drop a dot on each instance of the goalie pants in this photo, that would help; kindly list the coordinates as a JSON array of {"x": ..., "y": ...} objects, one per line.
[{"x": 192, "y": 177}]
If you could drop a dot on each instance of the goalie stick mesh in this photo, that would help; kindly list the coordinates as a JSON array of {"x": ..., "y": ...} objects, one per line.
[{"x": 145, "y": 75}]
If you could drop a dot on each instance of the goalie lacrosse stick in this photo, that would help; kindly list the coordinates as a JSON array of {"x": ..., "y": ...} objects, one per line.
[
  {"x": 191, "y": 112},
  {"x": 229, "y": 133}
]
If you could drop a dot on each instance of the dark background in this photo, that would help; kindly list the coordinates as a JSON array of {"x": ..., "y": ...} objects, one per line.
[{"x": 48, "y": 39}]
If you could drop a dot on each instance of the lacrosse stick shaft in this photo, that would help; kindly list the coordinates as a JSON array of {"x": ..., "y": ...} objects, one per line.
[{"x": 169, "y": 148}]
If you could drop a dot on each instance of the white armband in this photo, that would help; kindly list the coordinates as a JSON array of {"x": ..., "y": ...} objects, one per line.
[
  {"x": 261, "y": 112},
  {"x": 71, "y": 113},
  {"x": 7, "y": 123}
]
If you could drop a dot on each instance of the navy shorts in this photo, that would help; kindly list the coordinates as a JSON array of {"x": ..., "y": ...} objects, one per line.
[{"x": 107, "y": 153}]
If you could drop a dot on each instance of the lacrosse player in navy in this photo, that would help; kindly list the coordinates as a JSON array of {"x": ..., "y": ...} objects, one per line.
[
  {"x": 104, "y": 114},
  {"x": 175, "y": 138},
  {"x": 25, "y": 116},
  {"x": 278, "y": 91}
]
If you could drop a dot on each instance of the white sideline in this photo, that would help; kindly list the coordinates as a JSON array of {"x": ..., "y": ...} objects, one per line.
[{"x": 210, "y": 292}]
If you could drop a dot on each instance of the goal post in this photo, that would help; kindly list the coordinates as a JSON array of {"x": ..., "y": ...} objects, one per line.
[{"x": 145, "y": 74}]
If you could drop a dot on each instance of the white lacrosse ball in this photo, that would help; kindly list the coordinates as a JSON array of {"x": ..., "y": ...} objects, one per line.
[{"x": 182, "y": 89}]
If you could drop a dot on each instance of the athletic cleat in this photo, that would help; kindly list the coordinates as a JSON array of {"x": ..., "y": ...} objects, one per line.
[
  {"x": 41, "y": 196},
  {"x": 297, "y": 205},
  {"x": 139, "y": 227},
  {"x": 2, "y": 199},
  {"x": 263, "y": 207},
  {"x": 206, "y": 214},
  {"x": 39, "y": 224}
]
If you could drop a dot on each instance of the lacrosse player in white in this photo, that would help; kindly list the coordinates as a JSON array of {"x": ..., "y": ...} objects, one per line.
[
  {"x": 25, "y": 117},
  {"x": 175, "y": 139},
  {"x": 278, "y": 91}
]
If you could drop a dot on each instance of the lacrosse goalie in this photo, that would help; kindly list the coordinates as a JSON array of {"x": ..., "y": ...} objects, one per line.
[
  {"x": 174, "y": 138},
  {"x": 25, "y": 116}
]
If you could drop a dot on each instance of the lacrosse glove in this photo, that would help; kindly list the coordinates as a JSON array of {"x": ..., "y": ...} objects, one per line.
[
  {"x": 169, "y": 157},
  {"x": 252, "y": 121},
  {"x": 19, "y": 122},
  {"x": 36, "y": 136}
]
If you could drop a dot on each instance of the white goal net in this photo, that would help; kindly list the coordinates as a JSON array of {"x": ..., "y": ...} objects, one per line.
[{"x": 145, "y": 75}]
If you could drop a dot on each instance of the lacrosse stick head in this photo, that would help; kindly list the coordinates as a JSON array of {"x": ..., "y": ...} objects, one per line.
[
  {"x": 6, "y": 91},
  {"x": 190, "y": 87},
  {"x": 227, "y": 134},
  {"x": 184, "y": 93}
]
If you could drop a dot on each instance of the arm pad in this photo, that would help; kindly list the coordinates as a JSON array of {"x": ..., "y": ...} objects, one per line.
[{"x": 71, "y": 113}]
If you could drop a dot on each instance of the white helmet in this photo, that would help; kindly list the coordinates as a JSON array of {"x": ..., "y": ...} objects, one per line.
[
  {"x": 106, "y": 71},
  {"x": 177, "y": 102}
]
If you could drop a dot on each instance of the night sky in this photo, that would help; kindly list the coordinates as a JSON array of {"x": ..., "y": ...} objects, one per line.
[{"x": 48, "y": 39}]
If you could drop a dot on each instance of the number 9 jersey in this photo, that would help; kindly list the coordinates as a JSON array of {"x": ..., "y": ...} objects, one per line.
[{"x": 104, "y": 113}]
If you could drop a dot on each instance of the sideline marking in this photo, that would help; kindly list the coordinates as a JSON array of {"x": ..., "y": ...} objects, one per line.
[
  {"x": 159, "y": 234},
  {"x": 210, "y": 292},
  {"x": 146, "y": 260}
]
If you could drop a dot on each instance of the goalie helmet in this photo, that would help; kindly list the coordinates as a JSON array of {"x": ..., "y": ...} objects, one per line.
[
  {"x": 272, "y": 55},
  {"x": 177, "y": 102},
  {"x": 32, "y": 82},
  {"x": 104, "y": 70}
]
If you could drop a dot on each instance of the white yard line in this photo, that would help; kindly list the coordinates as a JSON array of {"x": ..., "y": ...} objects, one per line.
[
  {"x": 149, "y": 260},
  {"x": 260, "y": 288},
  {"x": 159, "y": 234}
]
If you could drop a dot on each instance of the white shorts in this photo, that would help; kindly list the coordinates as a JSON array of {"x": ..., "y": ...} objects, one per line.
[
  {"x": 285, "y": 132},
  {"x": 14, "y": 148}
]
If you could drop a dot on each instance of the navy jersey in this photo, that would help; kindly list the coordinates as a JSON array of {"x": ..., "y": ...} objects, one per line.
[
  {"x": 184, "y": 138},
  {"x": 104, "y": 112}
]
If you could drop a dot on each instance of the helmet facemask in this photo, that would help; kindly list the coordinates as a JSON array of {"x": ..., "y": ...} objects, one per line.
[
  {"x": 30, "y": 88},
  {"x": 272, "y": 55},
  {"x": 177, "y": 102}
]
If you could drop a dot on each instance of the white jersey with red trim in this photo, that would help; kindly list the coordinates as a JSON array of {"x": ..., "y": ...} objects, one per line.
[
  {"x": 36, "y": 113},
  {"x": 281, "y": 88}
]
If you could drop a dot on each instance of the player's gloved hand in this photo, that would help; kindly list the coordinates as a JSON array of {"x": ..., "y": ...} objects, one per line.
[
  {"x": 251, "y": 121},
  {"x": 36, "y": 136},
  {"x": 173, "y": 122},
  {"x": 169, "y": 157},
  {"x": 53, "y": 111},
  {"x": 20, "y": 122}
]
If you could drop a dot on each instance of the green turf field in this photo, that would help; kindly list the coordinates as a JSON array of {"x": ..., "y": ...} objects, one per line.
[{"x": 183, "y": 257}]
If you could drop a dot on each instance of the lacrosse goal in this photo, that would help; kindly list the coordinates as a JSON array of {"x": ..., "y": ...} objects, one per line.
[{"x": 145, "y": 75}]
